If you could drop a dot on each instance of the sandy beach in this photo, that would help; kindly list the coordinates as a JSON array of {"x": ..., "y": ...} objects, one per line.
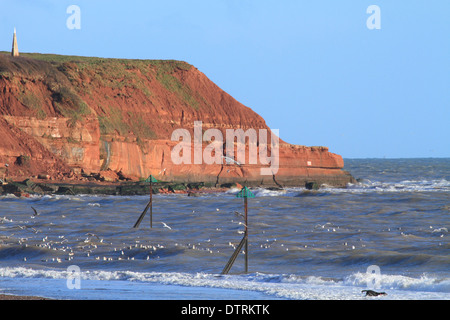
[{"x": 13, "y": 297}]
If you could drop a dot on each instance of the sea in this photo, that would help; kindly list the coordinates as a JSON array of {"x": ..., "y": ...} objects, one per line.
[{"x": 389, "y": 232}]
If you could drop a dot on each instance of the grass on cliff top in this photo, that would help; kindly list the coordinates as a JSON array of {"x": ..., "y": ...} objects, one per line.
[
  {"x": 112, "y": 72},
  {"x": 164, "y": 65}
]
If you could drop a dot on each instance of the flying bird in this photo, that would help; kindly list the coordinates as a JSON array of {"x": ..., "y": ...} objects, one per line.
[{"x": 166, "y": 226}]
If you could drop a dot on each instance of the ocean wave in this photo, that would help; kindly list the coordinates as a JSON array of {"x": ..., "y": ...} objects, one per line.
[
  {"x": 363, "y": 186},
  {"x": 279, "y": 285},
  {"x": 399, "y": 282},
  {"x": 401, "y": 186}
]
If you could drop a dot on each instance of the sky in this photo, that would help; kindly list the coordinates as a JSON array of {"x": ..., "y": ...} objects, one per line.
[{"x": 365, "y": 83}]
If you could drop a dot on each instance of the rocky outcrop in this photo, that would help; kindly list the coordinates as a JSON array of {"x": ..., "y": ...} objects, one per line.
[{"x": 71, "y": 117}]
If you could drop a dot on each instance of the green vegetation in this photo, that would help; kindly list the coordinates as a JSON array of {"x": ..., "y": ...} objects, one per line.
[
  {"x": 65, "y": 78},
  {"x": 112, "y": 121},
  {"x": 117, "y": 73},
  {"x": 115, "y": 121},
  {"x": 29, "y": 100},
  {"x": 23, "y": 160},
  {"x": 5, "y": 74},
  {"x": 169, "y": 66},
  {"x": 172, "y": 84},
  {"x": 140, "y": 128},
  {"x": 70, "y": 105},
  {"x": 164, "y": 74}
]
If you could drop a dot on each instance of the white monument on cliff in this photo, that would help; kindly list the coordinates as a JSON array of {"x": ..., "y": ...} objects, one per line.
[{"x": 15, "y": 48}]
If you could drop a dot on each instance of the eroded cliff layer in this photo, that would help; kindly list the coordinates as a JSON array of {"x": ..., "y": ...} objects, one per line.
[{"x": 62, "y": 116}]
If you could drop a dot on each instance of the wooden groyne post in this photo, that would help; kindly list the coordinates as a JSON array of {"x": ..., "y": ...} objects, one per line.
[
  {"x": 150, "y": 179},
  {"x": 244, "y": 193}
]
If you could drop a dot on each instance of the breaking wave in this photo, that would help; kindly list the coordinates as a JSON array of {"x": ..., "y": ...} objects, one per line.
[
  {"x": 280, "y": 286},
  {"x": 402, "y": 186}
]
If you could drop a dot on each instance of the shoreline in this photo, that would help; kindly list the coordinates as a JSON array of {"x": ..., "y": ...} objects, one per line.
[
  {"x": 12, "y": 297},
  {"x": 25, "y": 187}
]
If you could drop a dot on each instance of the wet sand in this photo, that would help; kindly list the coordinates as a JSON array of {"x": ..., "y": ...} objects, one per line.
[{"x": 13, "y": 297}]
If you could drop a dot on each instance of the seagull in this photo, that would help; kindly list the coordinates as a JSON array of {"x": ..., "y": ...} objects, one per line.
[
  {"x": 239, "y": 223},
  {"x": 90, "y": 235},
  {"x": 166, "y": 226},
  {"x": 229, "y": 160},
  {"x": 239, "y": 214}
]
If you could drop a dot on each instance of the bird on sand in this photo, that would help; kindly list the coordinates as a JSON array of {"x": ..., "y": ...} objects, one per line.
[{"x": 372, "y": 293}]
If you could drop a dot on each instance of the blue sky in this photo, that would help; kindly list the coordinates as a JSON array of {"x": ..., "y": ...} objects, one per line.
[{"x": 312, "y": 69}]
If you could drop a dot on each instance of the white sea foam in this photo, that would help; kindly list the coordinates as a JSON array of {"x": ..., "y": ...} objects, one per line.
[
  {"x": 95, "y": 204},
  {"x": 365, "y": 186},
  {"x": 280, "y": 286},
  {"x": 400, "y": 186},
  {"x": 399, "y": 282}
]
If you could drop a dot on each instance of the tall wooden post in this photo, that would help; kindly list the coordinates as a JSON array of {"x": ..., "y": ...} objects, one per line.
[
  {"x": 151, "y": 204},
  {"x": 246, "y": 234},
  {"x": 244, "y": 193}
]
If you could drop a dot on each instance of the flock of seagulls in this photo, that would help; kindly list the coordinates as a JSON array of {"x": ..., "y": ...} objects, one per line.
[
  {"x": 62, "y": 248},
  {"x": 91, "y": 245}
]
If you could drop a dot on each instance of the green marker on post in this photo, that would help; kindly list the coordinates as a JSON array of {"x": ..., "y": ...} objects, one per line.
[{"x": 245, "y": 193}]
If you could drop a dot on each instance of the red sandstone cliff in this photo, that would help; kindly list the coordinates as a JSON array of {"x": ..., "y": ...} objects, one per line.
[{"x": 62, "y": 115}]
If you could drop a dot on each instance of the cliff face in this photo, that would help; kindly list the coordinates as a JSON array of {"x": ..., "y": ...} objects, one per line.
[{"x": 62, "y": 115}]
